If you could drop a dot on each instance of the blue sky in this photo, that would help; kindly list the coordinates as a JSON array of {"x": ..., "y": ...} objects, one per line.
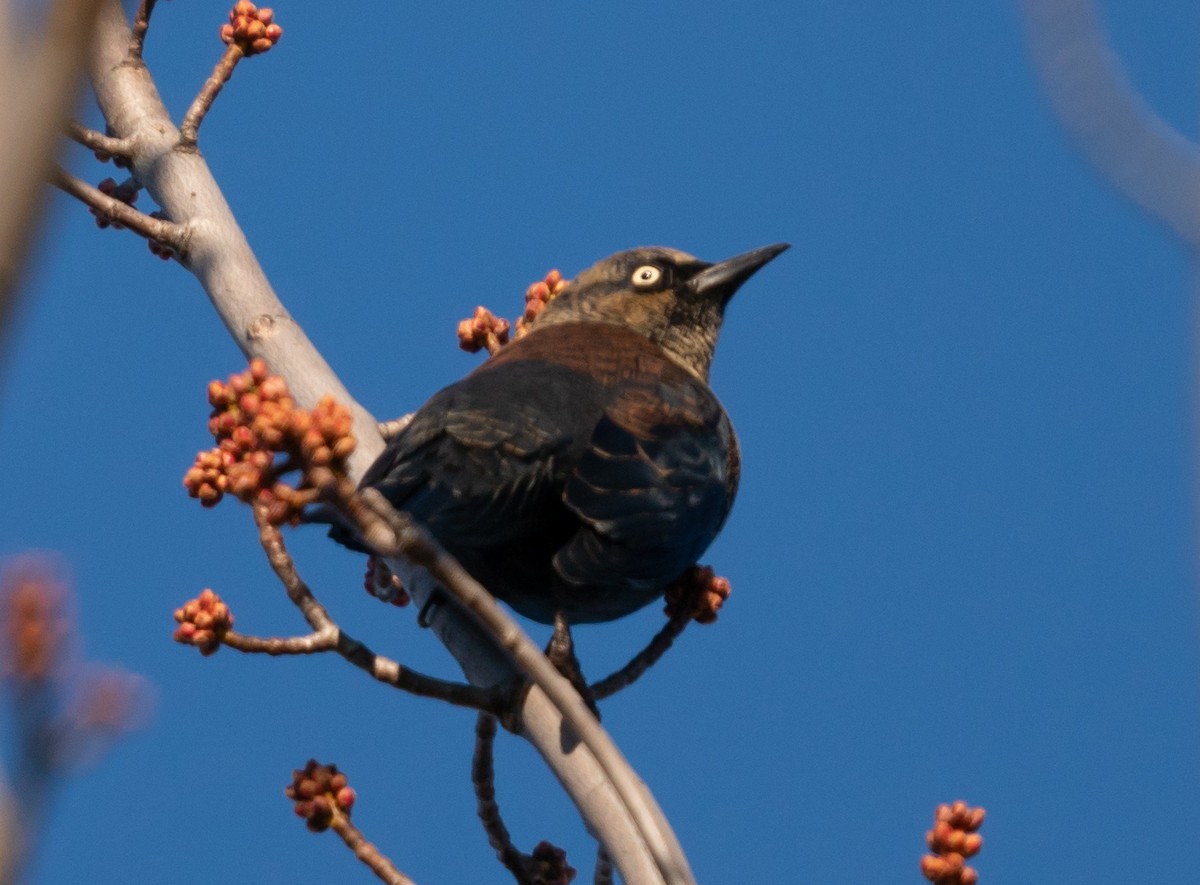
[{"x": 963, "y": 554}]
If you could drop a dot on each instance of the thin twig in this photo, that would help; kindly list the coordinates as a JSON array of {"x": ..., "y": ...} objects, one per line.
[
  {"x": 643, "y": 660},
  {"x": 141, "y": 24},
  {"x": 367, "y": 852},
  {"x": 113, "y": 210},
  {"x": 273, "y": 645},
  {"x": 328, "y": 636},
  {"x": 483, "y": 780},
  {"x": 98, "y": 141},
  {"x": 223, "y": 70}
]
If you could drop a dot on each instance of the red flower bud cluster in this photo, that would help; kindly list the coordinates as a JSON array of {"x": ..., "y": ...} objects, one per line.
[
  {"x": 252, "y": 29},
  {"x": 382, "y": 584},
  {"x": 34, "y": 626},
  {"x": 319, "y": 792},
  {"x": 952, "y": 840},
  {"x": 538, "y": 296},
  {"x": 125, "y": 192},
  {"x": 484, "y": 329},
  {"x": 549, "y": 865},
  {"x": 254, "y": 419},
  {"x": 203, "y": 622},
  {"x": 698, "y": 590}
]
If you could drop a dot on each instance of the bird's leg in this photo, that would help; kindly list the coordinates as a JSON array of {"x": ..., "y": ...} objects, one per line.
[{"x": 561, "y": 652}]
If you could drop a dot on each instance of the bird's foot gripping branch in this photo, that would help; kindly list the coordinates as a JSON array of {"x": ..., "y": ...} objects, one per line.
[{"x": 281, "y": 460}]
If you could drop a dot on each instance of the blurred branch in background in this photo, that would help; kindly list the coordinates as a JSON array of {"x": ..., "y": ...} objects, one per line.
[
  {"x": 65, "y": 713},
  {"x": 1135, "y": 149},
  {"x": 40, "y": 67}
]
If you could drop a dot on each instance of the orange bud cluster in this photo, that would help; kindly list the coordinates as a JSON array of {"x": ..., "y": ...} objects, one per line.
[
  {"x": 34, "y": 626},
  {"x": 537, "y": 296},
  {"x": 381, "y": 583},
  {"x": 126, "y": 192},
  {"x": 319, "y": 791},
  {"x": 483, "y": 329},
  {"x": 698, "y": 590},
  {"x": 252, "y": 29},
  {"x": 952, "y": 840},
  {"x": 549, "y": 865},
  {"x": 254, "y": 419},
  {"x": 203, "y": 622},
  {"x": 108, "y": 702}
]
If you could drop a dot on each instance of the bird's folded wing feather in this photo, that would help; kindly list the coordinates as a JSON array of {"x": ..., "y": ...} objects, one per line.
[
  {"x": 482, "y": 461},
  {"x": 652, "y": 489}
]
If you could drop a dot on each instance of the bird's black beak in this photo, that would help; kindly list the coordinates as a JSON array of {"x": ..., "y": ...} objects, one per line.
[{"x": 724, "y": 278}]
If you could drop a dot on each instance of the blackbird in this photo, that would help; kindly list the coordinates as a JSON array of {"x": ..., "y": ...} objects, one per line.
[{"x": 587, "y": 464}]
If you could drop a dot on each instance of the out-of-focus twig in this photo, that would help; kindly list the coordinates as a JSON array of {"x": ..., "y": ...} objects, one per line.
[
  {"x": 1134, "y": 148},
  {"x": 39, "y": 76},
  {"x": 63, "y": 714}
]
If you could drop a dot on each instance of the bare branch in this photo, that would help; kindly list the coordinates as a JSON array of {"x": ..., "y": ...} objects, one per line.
[
  {"x": 113, "y": 210},
  {"x": 218, "y": 254},
  {"x": 367, "y": 852},
  {"x": 483, "y": 774},
  {"x": 141, "y": 24},
  {"x": 1121, "y": 135},
  {"x": 98, "y": 141},
  {"x": 223, "y": 70},
  {"x": 313, "y": 643},
  {"x": 327, "y": 636},
  {"x": 643, "y": 660},
  {"x": 180, "y": 182}
]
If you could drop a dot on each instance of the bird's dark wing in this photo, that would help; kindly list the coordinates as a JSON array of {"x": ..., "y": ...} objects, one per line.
[
  {"x": 652, "y": 489},
  {"x": 482, "y": 463}
]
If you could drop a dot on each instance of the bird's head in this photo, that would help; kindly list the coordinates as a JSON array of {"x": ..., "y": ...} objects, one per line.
[{"x": 674, "y": 299}]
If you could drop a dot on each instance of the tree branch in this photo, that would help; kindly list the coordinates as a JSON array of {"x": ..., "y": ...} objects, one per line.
[
  {"x": 617, "y": 807},
  {"x": 39, "y": 78},
  {"x": 223, "y": 70},
  {"x": 98, "y": 141},
  {"x": 367, "y": 852},
  {"x": 113, "y": 210},
  {"x": 1139, "y": 153}
]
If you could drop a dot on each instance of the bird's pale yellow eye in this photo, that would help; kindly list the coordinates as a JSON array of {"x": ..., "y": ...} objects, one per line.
[{"x": 646, "y": 276}]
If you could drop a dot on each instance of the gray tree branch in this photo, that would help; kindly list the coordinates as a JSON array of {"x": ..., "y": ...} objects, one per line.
[{"x": 625, "y": 818}]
